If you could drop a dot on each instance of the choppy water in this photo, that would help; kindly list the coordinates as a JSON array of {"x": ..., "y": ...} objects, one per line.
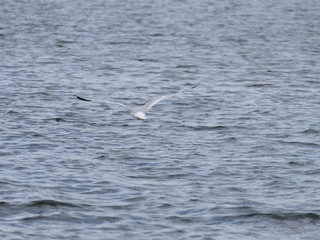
[{"x": 237, "y": 158}]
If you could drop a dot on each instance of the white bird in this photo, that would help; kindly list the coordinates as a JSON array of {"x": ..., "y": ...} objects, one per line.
[{"x": 140, "y": 112}]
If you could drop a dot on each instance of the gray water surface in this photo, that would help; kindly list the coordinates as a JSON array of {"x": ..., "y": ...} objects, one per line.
[{"x": 235, "y": 158}]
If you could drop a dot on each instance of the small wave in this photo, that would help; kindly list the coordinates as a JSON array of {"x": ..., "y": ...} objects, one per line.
[
  {"x": 300, "y": 143},
  {"x": 51, "y": 218},
  {"x": 37, "y": 204},
  {"x": 260, "y": 85},
  {"x": 299, "y": 163},
  {"x": 283, "y": 216},
  {"x": 146, "y": 60},
  {"x": 57, "y": 119},
  {"x": 311, "y": 131},
  {"x": 67, "y": 218},
  {"x": 37, "y": 135},
  {"x": 207, "y": 128},
  {"x": 186, "y": 66},
  {"x": 231, "y": 139},
  {"x": 12, "y": 112},
  {"x": 51, "y": 203},
  {"x": 4, "y": 204},
  {"x": 5, "y": 153},
  {"x": 179, "y": 219},
  {"x": 65, "y": 42},
  {"x": 48, "y": 62},
  {"x": 313, "y": 172}
]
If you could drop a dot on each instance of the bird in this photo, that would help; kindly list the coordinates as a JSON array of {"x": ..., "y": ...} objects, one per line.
[{"x": 140, "y": 111}]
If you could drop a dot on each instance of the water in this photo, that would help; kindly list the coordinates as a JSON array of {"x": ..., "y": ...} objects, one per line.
[{"x": 236, "y": 158}]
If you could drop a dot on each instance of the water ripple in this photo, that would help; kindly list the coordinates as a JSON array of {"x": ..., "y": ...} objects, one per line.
[{"x": 236, "y": 158}]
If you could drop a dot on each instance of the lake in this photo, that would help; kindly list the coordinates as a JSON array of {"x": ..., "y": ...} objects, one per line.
[{"x": 238, "y": 157}]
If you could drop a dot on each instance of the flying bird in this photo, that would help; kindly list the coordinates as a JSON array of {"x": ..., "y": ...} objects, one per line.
[{"x": 140, "y": 111}]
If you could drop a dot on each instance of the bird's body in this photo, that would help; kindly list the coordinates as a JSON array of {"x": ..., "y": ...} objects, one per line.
[
  {"x": 140, "y": 112},
  {"x": 140, "y": 115}
]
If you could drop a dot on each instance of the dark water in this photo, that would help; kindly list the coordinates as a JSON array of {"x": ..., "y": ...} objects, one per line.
[{"x": 236, "y": 158}]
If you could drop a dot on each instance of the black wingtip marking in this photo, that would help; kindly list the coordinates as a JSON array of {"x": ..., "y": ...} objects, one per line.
[
  {"x": 83, "y": 99},
  {"x": 195, "y": 86}
]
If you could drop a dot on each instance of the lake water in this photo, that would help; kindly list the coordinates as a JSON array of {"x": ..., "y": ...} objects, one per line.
[{"x": 238, "y": 157}]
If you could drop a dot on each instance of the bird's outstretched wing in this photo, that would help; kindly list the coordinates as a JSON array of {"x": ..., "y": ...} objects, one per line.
[
  {"x": 120, "y": 104},
  {"x": 151, "y": 103},
  {"x": 104, "y": 102}
]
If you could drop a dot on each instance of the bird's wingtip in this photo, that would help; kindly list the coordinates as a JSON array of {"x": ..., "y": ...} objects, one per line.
[
  {"x": 83, "y": 99},
  {"x": 195, "y": 85}
]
